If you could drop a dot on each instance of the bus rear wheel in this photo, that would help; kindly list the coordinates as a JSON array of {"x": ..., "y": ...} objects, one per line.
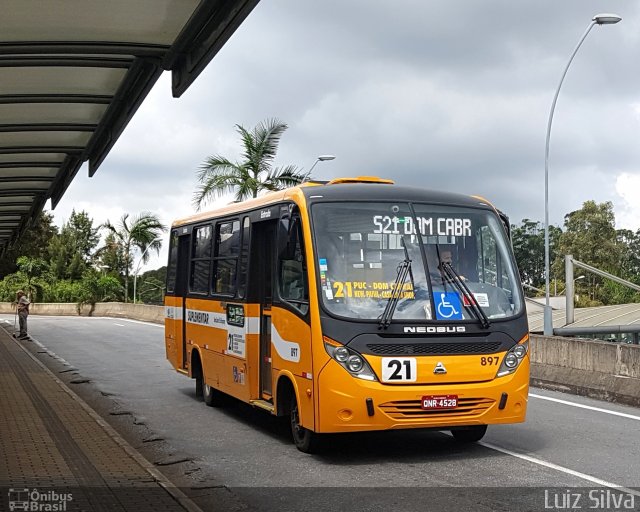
[
  {"x": 469, "y": 434},
  {"x": 305, "y": 440},
  {"x": 199, "y": 387}
]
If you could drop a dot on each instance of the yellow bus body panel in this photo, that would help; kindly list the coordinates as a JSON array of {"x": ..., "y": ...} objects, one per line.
[
  {"x": 292, "y": 358},
  {"x": 173, "y": 331},
  {"x": 225, "y": 368}
]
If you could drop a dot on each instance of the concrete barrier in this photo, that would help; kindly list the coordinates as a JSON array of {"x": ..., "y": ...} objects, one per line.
[
  {"x": 608, "y": 371},
  {"x": 599, "y": 369},
  {"x": 142, "y": 312}
]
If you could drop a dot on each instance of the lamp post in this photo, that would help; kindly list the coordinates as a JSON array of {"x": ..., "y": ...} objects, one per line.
[
  {"x": 573, "y": 287},
  {"x": 598, "y": 19},
  {"x": 321, "y": 158},
  {"x": 135, "y": 274}
]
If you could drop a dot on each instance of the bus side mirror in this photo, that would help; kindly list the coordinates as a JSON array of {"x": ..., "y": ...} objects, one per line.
[{"x": 505, "y": 223}]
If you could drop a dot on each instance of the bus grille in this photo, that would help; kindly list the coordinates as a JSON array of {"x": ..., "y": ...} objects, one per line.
[
  {"x": 422, "y": 349},
  {"x": 407, "y": 409}
]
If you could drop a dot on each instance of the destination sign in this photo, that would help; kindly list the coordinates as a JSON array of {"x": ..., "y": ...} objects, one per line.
[{"x": 443, "y": 226}]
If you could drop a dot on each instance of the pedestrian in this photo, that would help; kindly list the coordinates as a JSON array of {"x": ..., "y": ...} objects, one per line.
[{"x": 23, "y": 312}]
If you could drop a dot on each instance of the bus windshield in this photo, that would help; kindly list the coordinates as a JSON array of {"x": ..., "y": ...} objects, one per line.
[{"x": 442, "y": 263}]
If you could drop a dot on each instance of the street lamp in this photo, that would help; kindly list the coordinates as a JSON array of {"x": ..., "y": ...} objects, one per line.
[
  {"x": 321, "y": 158},
  {"x": 598, "y": 19},
  {"x": 135, "y": 274},
  {"x": 574, "y": 284}
]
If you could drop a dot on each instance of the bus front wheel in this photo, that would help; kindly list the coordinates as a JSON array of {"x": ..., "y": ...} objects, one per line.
[
  {"x": 469, "y": 434},
  {"x": 305, "y": 440}
]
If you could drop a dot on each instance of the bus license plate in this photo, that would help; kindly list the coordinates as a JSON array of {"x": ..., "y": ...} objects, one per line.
[{"x": 430, "y": 402}]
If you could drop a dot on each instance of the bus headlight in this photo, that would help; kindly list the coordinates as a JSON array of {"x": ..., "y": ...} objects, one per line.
[
  {"x": 519, "y": 351},
  {"x": 349, "y": 359},
  {"x": 341, "y": 354},
  {"x": 513, "y": 358},
  {"x": 355, "y": 364}
]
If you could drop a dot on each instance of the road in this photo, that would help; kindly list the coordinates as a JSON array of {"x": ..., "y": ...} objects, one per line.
[{"x": 567, "y": 441}]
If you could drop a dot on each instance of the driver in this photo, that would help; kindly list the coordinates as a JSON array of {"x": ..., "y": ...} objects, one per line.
[{"x": 445, "y": 257}]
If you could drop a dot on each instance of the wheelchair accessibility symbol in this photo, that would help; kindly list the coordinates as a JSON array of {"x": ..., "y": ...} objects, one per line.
[{"x": 448, "y": 306}]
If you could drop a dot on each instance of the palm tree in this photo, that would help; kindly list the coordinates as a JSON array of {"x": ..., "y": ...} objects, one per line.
[
  {"x": 254, "y": 173},
  {"x": 143, "y": 231}
]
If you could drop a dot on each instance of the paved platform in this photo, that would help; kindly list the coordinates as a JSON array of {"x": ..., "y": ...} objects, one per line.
[{"x": 56, "y": 453}]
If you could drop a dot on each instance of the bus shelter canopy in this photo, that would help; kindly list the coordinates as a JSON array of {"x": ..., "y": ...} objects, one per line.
[{"x": 74, "y": 73}]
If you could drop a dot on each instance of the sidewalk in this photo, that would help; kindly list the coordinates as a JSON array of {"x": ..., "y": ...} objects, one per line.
[{"x": 57, "y": 452}]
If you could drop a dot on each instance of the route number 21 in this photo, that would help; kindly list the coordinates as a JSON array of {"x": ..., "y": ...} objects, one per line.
[{"x": 399, "y": 369}]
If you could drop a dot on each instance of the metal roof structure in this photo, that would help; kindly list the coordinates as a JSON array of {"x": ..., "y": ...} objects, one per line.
[
  {"x": 74, "y": 72},
  {"x": 600, "y": 319}
]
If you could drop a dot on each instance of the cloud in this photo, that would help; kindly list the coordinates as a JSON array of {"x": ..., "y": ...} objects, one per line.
[
  {"x": 628, "y": 211},
  {"x": 445, "y": 95}
]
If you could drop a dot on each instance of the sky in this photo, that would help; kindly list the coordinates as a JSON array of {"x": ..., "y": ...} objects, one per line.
[{"x": 449, "y": 95}]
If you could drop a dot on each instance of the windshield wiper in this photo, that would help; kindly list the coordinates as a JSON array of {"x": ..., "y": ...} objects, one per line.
[
  {"x": 404, "y": 269},
  {"x": 458, "y": 282}
]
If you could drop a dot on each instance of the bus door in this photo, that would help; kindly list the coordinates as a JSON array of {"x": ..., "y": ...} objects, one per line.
[
  {"x": 263, "y": 248},
  {"x": 175, "y": 310}
]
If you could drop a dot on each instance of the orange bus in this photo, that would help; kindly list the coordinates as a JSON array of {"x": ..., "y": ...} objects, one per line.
[{"x": 352, "y": 305}]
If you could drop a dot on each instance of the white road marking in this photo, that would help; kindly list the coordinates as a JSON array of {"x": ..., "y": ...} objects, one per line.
[
  {"x": 119, "y": 325},
  {"x": 90, "y": 319},
  {"x": 562, "y": 469},
  {"x": 589, "y": 407},
  {"x": 150, "y": 324}
]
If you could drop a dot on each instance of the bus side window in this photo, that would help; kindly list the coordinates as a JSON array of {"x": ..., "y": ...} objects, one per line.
[
  {"x": 200, "y": 260},
  {"x": 172, "y": 267},
  {"x": 243, "y": 271},
  {"x": 227, "y": 249},
  {"x": 292, "y": 277}
]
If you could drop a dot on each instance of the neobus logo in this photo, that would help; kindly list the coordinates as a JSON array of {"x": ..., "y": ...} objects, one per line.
[{"x": 423, "y": 329}]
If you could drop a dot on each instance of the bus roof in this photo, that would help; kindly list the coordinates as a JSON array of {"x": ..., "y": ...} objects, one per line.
[
  {"x": 364, "y": 188},
  {"x": 365, "y": 191}
]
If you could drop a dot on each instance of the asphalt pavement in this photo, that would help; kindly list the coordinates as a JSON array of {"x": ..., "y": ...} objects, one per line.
[{"x": 244, "y": 459}]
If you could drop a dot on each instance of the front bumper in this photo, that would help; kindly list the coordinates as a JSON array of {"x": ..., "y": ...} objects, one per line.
[{"x": 342, "y": 405}]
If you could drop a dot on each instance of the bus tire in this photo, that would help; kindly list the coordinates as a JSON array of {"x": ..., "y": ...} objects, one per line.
[
  {"x": 469, "y": 434},
  {"x": 305, "y": 440},
  {"x": 199, "y": 388},
  {"x": 212, "y": 397},
  {"x": 196, "y": 372}
]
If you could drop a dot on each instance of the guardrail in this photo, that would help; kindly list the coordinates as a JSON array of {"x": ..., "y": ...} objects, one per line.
[{"x": 600, "y": 369}]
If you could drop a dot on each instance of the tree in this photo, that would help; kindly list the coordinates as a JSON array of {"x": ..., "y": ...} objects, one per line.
[
  {"x": 33, "y": 243},
  {"x": 97, "y": 288},
  {"x": 83, "y": 237},
  {"x": 630, "y": 261},
  {"x": 528, "y": 248},
  {"x": 142, "y": 232},
  {"x": 254, "y": 173},
  {"x": 590, "y": 236},
  {"x": 110, "y": 257},
  {"x": 71, "y": 250},
  {"x": 32, "y": 269}
]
